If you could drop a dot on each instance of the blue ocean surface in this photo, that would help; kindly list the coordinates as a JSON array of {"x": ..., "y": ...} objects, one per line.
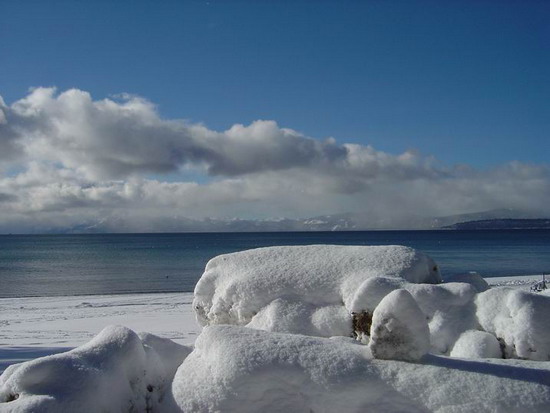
[{"x": 54, "y": 265}]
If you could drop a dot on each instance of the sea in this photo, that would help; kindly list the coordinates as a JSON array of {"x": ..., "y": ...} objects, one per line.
[{"x": 61, "y": 265}]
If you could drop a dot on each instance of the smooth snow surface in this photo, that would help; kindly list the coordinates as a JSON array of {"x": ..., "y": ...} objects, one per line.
[
  {"x": 237, "y": 369},
  {"x": 50, "y": 322}
]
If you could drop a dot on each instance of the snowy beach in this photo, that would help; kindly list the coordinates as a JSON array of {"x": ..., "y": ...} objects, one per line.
[{"x": 35, "y": 326}]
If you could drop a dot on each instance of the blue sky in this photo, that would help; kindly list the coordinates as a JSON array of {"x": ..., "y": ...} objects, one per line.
[
  {"x": 466, "y": 81},
  {"x": 224, "y": 109}
]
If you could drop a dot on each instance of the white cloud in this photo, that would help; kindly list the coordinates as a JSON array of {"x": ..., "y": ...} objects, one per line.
[{"x": 82, "y": 161}]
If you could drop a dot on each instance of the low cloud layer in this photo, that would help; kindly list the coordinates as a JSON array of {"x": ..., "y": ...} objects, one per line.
[{"x": 68, "y": 161}]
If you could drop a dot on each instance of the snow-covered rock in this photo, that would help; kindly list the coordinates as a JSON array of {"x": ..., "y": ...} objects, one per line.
[
  {"x": 117, "y": 371},
  {"x": 473, "y": 278},
  {"x": 449, "y": 309},
  {"x": 302, "y": 318},
  {"x": 519, "y": 319},
  {"x": 399, "y": 329},
  {"x": 474, "y": 344},
  {"x": 245, "y": 370},
  {"x": 325, "y": 291},
  {"x": 307, "y": 289}
]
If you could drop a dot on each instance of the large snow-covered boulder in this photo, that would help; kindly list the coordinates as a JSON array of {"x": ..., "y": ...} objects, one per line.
[
  {"x": 307, "y": 289},
  {"x": 117, "y": 371},
  {"x": 235, "y": 368},
  {"x": 399, "y": 329}
]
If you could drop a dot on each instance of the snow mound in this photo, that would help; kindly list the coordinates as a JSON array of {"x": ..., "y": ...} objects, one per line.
[
  {"x": 476, "y": 345},
  {"x": 399, "y": 329},
  {"x": 450, "y": 310},
  {"x": 245, "y": 370},
  {"x": 307, "y": 289},
  {"x": 520, "y": 321},
  {"x": 301, "y": 318},
  {"x": 473, "y": 278},
  {"x": 117, "y": 371}
]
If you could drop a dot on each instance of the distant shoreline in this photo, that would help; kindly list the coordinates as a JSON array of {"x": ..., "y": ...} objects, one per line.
[
  {"x": 501, "y": 224},
  {"x": 461, "y": 226}
]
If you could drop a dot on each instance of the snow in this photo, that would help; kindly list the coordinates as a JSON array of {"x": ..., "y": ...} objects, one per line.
[
  {"x": 301, "y": 317},
  {"x": 449, "y": 309},
  {"x": 72, "y": 321},
  {"x": 472, "y": 278},
  {"x": 399, "y": 328},
  {"x": 519, "y": 319},
  {"x": 297, "y": 285},
  {"x": 37, "y": 326},
  {"x": 116, "y": 371},
  {"x": 474, "y": 344},
  {"x": 523, "y": 282},
  {"x": 330, "y": 291},
  {"x": 245, "y": 370}
]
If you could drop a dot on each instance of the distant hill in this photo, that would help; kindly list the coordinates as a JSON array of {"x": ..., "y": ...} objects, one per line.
[
  {"x": 356, "y": 221},
  {"x": 501, "y": 224}
]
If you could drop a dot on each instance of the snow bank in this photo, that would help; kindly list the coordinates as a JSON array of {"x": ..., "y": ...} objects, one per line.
[
  {"x": 245, "y": 370},
  {"x": 116, "y": 371},
  {"x": 520, "y": 320},
  {"x": 399, "y": 329},
  {"x": 307, "y": 289}
]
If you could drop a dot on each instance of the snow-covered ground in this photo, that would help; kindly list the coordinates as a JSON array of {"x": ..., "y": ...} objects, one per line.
[
  {"x": 524, "y": 282},
  {"x": 36, "y": 326}
]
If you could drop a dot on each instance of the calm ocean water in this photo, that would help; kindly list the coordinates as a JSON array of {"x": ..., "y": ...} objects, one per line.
[{"x": 50, "y": 265}]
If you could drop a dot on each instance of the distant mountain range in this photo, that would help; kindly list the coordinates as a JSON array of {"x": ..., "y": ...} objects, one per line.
[
  {"x": 501, "y": 224},
  {"x": 501, "y": 218}
]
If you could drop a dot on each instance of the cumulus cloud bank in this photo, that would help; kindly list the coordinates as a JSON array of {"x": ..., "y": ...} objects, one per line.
[{"x": 68, "y": 160}]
